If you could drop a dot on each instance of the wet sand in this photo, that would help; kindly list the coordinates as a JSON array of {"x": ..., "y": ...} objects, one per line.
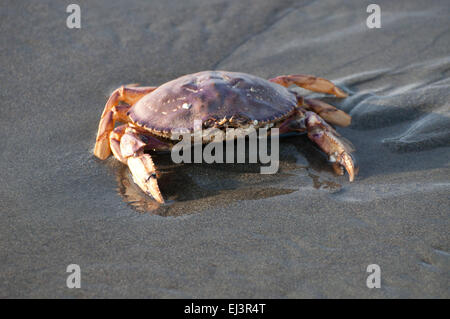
[{"x": 228, "y": 231}]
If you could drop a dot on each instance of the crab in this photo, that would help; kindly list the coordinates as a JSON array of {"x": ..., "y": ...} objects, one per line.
[{"x": 219, "y": 99}]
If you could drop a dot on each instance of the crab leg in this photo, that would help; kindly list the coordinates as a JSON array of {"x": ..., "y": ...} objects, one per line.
[
  {"x": 339, "y": 151},
  {"x": 309, "y": 82},
  {"x": 114, "y": 142},
  {"x": 129, "y": 95},
  {"x": 151, "y": 143},
  {"x": 328, "y": 112},
  {"x": 141, "y": 164}
]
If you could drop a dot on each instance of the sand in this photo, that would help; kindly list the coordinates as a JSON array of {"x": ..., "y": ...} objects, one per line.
[{"x": 228, "y": 231}]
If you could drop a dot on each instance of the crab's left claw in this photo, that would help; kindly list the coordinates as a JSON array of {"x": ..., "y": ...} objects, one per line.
[
  {"x": 347, "y": 161},
  {"x": 338, "y": 149}
]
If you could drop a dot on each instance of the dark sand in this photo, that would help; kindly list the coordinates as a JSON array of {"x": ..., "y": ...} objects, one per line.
[{"x": 229, "y": 231}]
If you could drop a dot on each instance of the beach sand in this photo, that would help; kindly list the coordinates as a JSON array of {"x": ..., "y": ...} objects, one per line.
[{"x": 228, "y": 231}]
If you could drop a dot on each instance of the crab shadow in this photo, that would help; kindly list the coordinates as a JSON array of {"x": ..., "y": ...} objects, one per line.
[{"x": 189, "y": 188}]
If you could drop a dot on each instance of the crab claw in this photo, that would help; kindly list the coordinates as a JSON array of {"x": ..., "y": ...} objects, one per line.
[
  {"x": 144, "y": 175},
  {"x": 140, "y": 164},
  {"x": 347, "y": 161},
  {"x": 338, "y": 149}
]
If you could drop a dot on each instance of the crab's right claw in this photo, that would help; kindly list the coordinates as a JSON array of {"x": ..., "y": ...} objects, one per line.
[
  {"x": 140, "y": 164},
  {"x": 338, "y": 149},
  {"x": 144, "y": 175}
]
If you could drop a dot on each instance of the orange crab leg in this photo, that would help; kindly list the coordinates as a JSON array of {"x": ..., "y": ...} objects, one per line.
[
  {"x": 114, "y": 142},
  {"x": 129, "y": 95},
  {"x": 328, "y": 112},
  {"x": 309, "y": 82}
]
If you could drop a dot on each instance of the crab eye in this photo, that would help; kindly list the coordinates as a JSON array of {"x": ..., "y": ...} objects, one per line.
[
  {"x": 235, "y": 82},
  {"x": 190, "y": 87}
]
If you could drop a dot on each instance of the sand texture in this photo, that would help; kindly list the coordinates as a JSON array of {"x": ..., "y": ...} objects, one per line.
[{"x": 228, "y": 231}]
